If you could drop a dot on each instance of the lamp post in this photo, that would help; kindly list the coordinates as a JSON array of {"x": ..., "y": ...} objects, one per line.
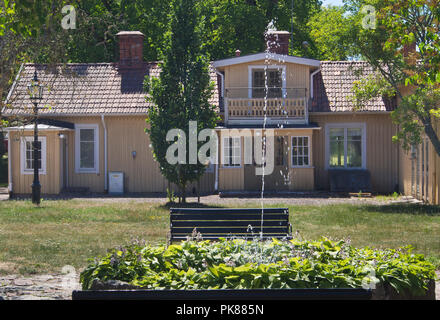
[{"x": 35, "y": 91}]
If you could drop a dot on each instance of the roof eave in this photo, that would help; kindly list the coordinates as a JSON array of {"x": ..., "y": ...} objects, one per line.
[{"x": 264, "y": 56}]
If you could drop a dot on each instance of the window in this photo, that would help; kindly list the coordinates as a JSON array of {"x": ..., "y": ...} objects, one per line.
[
  {"x": 337, "y": 153},
  {"x": 232, "y": 152},
  {"x": 346, "y": 146},
  {"x": 276, "y": 81},
  {"x": 27, "y": 155},
  {"x": 87, "y": 148},
  {"x": 300, "y": 152}
]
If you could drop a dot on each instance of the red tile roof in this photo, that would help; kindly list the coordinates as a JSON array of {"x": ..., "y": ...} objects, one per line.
[
  {"x": 87, "y": 88},
  {"x": 100, "y": 88},
  {"x": 333, "y": 87}
]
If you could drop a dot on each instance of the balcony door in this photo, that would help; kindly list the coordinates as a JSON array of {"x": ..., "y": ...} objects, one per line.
[{"x": 273, "y": 76}]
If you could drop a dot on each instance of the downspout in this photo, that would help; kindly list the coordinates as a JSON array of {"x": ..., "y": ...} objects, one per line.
[
  {"x": 311, "y": 81},
  {"x": 66, "y": 141},
  {"x": 223, "y": 83},
  {"x": 222, "y": 94},
  {"x": 216, "y": 170},
  {"x": 105, "y": 154},
  {"x": 10, "y": 185},
  {"x": 9, "y": 163},
  {"x": 222, "y": 77}
]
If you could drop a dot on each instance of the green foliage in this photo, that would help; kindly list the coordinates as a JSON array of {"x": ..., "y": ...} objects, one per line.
[
  {"x": 373, "y": 85},
  {"x": 171, "y": 196},
  {"x": 95, "y": 39},
  {"x": 330, "y": 33},
  {"x": 424, "y": 103},
  {"x": 181, "y": 94},
  {"x": 413, "y": 73},
  {"x": 240, "y": 24},
  {"x": 240, "y": 264}
]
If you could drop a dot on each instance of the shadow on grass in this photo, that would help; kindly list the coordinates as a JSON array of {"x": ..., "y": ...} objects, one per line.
[
  {"x": 169, "y": 205},
  {"x": 405, "y": 208},
  {"x": 269, "y": 194}
]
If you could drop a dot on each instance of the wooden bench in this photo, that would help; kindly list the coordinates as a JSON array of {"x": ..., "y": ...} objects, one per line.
[{"x": 213, "y": 224}]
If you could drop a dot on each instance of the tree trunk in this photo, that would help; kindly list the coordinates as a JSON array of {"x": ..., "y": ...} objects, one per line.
[
  {"x": 183, "y": 192},
  {"x": 432, "y": 135},
  {"x": 198, "y": 191}
]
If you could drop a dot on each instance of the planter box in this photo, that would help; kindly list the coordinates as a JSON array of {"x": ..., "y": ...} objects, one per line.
[
  {"x": 257, "y": 294},
  {"x": 116, "y": 290},
  {"x": 387, "y": 292}
]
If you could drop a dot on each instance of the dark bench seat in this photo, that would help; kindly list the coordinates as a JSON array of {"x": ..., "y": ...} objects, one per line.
[{"x": 213, "y": 224}]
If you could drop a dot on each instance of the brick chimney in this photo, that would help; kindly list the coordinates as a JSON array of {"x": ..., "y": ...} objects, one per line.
[
  {"x": 131, "y": 44},
  {"x": 277, "y": 41}
]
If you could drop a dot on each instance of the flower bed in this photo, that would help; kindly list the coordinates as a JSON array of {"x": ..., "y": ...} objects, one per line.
[{"x": 239, "y": 264}]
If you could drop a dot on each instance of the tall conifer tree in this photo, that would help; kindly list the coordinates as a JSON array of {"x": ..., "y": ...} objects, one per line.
[{"x": 181, "y": 94}]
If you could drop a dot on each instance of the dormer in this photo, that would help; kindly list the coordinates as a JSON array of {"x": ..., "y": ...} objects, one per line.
[{"x": 270, "y": 83}]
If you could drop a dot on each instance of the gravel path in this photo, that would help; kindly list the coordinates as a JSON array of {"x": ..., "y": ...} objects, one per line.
[
  {"x": 38, "y": 287},
  {"x": 315, "y": 198}
]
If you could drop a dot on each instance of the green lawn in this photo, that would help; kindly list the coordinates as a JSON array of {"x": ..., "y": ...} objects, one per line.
[{"x": 39, "y": 240}]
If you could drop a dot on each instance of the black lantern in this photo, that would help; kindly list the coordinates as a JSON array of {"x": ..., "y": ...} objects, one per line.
[{"x": 35, "y": 91}]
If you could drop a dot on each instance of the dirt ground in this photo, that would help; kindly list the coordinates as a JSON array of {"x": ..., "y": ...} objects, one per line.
[{"x": 297, "y": 198}]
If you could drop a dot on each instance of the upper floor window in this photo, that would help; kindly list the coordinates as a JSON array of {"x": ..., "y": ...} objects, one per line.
[
  {"x": 27, "y": 155},
  {"x": 274, "y": 83},
  {"x": 273, "y": 76},
  {"x": 87, "y": 148}
]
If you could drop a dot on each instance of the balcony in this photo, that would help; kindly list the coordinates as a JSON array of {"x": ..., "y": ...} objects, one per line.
[{"x": 280, "y": 105}]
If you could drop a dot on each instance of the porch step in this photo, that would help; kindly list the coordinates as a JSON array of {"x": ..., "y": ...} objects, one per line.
[
  {"x": 407, "y": 199},
  {"x": 360, "y": 195}
]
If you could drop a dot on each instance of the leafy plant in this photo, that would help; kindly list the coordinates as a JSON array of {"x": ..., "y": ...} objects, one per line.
[
  {"x": 171, "y": 196},
  {"x": 240, "y": 264}
]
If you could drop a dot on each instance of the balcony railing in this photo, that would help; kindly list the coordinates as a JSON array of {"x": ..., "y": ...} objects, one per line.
[{"x": 244, "y": 104}]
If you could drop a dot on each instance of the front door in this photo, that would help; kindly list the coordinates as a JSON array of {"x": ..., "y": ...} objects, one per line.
[{"x": 279, "y": 179}]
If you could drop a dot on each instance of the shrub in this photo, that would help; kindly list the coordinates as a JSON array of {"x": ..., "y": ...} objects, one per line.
[{"x": 240, "y": 264}]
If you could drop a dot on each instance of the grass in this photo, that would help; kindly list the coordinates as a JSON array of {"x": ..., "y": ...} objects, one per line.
[{"x": 59, "y": 233}]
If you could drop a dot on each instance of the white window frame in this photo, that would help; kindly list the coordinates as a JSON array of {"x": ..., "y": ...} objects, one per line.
[
  {"x": 345, "y": 126},
  {"x": 308, "y": 152},
  {"x": 78, "y": 128},
  {"x": 23, "y": 170},
  {"x": 251, "y": 73},
  {"x": 224, "y": 144}
]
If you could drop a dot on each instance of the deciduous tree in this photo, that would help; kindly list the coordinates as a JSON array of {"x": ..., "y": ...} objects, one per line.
[{"x": 404, "y": 49}]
